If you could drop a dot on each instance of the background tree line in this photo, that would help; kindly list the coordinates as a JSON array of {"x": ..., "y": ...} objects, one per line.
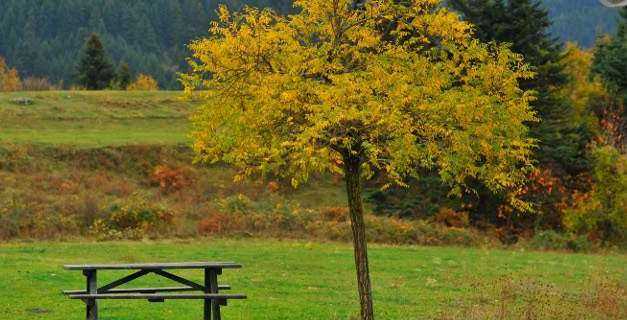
[{"x": 44, "y": 38}]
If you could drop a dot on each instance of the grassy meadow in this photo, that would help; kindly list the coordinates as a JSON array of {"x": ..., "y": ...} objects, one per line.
[
  {"x": 95, "y": 118},
  {"x": 70, "y": 157},
  {"x": 303, "y": 280}
]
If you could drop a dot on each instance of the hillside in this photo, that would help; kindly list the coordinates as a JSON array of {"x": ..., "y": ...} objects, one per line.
[
  {"x": 72, "y": 159},
  {"x": 89, "y": 119},
  {"x": 71, "y": 156},
  {"x": 43, "y": 38},
  {"x": 580, "y": 20}
]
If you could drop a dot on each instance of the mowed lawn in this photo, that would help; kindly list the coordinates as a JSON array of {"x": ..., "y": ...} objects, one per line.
[
  {"x": 95, "y": 118},
  {"x": 294, "y": 280}
]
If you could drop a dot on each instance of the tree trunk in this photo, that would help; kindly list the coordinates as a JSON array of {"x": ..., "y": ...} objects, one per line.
[{"x": 352, "y": 173}]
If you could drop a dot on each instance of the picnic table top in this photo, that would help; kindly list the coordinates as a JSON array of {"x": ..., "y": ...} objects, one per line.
[{"x": 156, "y": 266}]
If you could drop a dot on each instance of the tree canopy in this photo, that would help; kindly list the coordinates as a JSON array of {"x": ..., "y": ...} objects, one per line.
[
  {"x": 525, "y": 25},
  {"x": 9, "y": 77},
  {"x": 359, "y": 88},
  {"x": 611, "y": 59},
  {"x": 95, "y": 71},
  {"x": 123, "y": 76},
  {"x": 296, "y": 93}
]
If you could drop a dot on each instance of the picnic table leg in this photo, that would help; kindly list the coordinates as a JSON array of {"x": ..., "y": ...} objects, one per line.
[
  {"x": 92, "y": 288},
  {"x": 207, "y": 310},
  {"x": 211, "y": 282}
]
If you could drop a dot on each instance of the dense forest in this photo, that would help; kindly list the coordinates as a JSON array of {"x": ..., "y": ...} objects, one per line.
[
  {"x": 44, "y": 38},
  {"x": 580, "y": 20}
]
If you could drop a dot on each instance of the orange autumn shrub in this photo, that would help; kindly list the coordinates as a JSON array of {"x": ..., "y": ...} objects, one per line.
[
  {"x": 274, "y": 186},
  {"x": 9, "y": 78},
  {"x": 336, "y": 214},
  {"x": 144, "y": 83},
  {"x": 218, "y": 223},
  {"x": 170, "y": 179},
  {"x": 452, "y": 218}
]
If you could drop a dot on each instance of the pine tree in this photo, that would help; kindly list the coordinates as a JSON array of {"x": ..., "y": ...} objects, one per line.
[
  {"x": 524, "y": 24},
  {"x": 610, "y": 63},
  {"x": 610, "y": 60},
  {"x": 95, "y": 72},
  {"x": 28, "y": 57},
  {"x": 123, "y": 77}
]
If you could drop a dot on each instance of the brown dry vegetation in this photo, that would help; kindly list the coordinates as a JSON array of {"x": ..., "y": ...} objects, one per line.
[
  {"x": 532, "y": 299},
  {"x": 154, "y": 192}
]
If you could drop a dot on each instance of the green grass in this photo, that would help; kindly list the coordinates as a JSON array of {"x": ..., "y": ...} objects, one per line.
[
  {"x": 289, "y": 280},
  {"x": 95, "y": 118},
  {"x": 284, "y": 280}
]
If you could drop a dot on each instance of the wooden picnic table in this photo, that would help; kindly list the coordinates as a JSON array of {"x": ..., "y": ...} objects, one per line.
[{"x": 209, "y": 290}]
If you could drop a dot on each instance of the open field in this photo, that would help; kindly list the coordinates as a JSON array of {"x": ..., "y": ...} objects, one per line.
[
  {"x": 69, "y": 158},
  {"x": 93, "y": 119},
  {"x": 360, "y": 160},
  {"x": 298, "y": 280}
]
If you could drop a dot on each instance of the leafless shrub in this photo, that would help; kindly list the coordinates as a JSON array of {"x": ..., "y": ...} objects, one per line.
[{"x": 37, "y": 84}]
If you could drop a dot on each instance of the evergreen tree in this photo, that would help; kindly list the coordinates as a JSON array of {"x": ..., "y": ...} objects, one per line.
[
  {"x": 610, "y": 63},
  {"x": 525, "y": 25},
  {"x": 95, "y": 71},
  {"x": 28, "y": 50},
  {"x": 610, "y": 60},
  {"x": 123, "y": 77},
  {"x": 561, "y": 136}
]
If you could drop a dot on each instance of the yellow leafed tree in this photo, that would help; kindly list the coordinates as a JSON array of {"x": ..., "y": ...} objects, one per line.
[
  {"x": 357, "y": 88},
  {"x": 9, "y": 78},
  {"x": 583, "y": 87},
  {"x": 144, "y": 83},
  {"x": 591, "y": 99}
]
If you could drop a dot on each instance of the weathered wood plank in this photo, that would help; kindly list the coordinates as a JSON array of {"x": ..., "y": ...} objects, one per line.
[
  {"x": 213, "y": 286},
  {"x": 91, "y": 305},
  {"x": 146, "y": 290},
  {"x": 146, "y": 296},
  {"x": 152, "y": 266},
  {"x": 207, "y": 302}
]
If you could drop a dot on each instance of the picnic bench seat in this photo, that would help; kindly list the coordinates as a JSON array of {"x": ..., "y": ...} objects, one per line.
[
  {"x": 209, "y": 291},
  {"x": 147, "y": 290}
]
